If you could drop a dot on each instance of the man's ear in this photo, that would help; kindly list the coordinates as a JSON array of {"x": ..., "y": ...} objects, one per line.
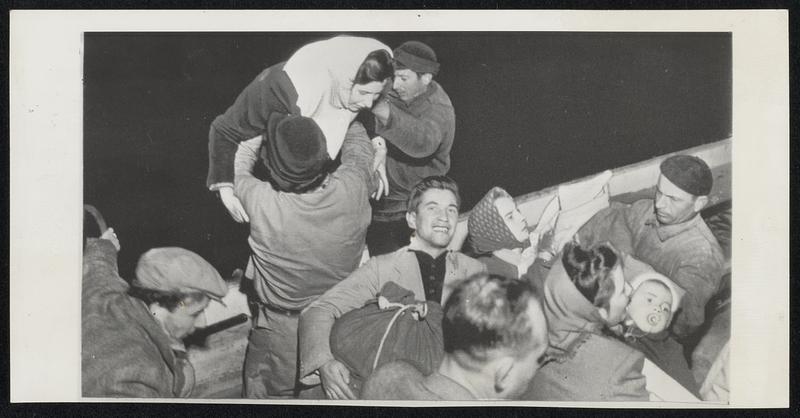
[
  {"x": 411, "y": 218},
  {"x": 426, "y": 78},
  {"x": 502, "y": 373},
  {"x": 700, "y": 202}
]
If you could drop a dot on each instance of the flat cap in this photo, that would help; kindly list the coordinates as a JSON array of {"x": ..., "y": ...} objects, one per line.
[
  {"x": 173, "y": 269},
  {"x": 691, "y": 174}
]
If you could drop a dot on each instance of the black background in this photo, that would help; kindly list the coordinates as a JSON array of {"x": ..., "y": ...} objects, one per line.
[{"x": 533, "y": 109}]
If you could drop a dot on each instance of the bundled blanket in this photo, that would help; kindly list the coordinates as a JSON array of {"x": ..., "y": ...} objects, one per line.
[{"x": 393, "y": 327}]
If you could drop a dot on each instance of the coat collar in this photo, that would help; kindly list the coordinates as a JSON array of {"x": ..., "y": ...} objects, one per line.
[
  {"x": 666, "y": 232},
  {"x": 433, "y": 87}
]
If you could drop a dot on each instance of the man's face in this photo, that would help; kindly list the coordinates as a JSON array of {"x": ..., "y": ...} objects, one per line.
[
  {"x": 363, "y": 95},
  {"x": 435, "y": 218},
  {"x": 513, "y": 218},
  {"x": 526, "y": 367},
  {"x": 672, "y": 204},
  {"x": 651, "y": 306},
  {"x": 183, "y": 320},
  {"x": 619, "y": 299},
  {"x": 408, "y": 84}
]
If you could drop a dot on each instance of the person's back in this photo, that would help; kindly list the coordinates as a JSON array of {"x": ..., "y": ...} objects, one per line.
[
  {"x": 304, "y": 243},
  {"x": 598, "y": 368}
]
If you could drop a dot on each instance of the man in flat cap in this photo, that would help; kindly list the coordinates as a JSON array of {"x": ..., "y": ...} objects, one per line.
[
  {"x": 417, "y": 122},
  {"x": 132, "y": 335},
  {"x": 667, "y": 233},
  {"x": 307, "y": 233}
]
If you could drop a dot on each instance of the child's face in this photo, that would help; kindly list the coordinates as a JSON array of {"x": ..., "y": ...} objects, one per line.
[{"x": 650, "y": 306}]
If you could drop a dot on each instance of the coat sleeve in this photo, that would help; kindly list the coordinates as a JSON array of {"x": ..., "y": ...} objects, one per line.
[
  {"x": 250, "y": 190},
  {"x": 699, "y": 277},
  {"x": 317, "y": 320},
  {"x": 100, "y": 273},
  {"x": 627, "y": 383},
  {"x": 416, "y": 136},
  {"x": 610, "y": 224},
  {"x": 358, "y": 154},
  {"x": 271, "y": 91}
]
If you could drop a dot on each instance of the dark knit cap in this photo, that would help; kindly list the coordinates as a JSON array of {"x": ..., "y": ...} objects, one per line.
[
  {"x": 691, "y": 174},
  {"x": 295, "y": 153},
  {"x": 417, "y": 57}
]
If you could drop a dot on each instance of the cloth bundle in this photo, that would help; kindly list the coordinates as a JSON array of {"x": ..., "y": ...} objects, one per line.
[
  {"x": 393, "y": 327},
  {"x": 569, "y": 210}
]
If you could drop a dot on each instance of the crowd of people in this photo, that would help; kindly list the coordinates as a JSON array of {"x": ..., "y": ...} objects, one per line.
[{"x": 345, "y": 147}]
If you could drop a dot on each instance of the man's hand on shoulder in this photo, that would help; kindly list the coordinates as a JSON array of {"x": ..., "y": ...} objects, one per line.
[{"x": 379, "y": 166}]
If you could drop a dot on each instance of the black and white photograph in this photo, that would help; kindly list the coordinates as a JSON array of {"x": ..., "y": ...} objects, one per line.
[{"x": 532, "y": 215}]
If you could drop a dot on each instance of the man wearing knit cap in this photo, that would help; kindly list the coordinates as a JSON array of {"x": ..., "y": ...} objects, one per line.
[
  {"x": 417, "y": 121},
  {"x": 132, "y": 336},
  {"x": 307, "y": 232},
  {"x": 668, "y": 234}
]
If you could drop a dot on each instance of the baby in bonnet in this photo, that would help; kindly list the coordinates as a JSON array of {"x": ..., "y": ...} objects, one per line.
[{"x": 653, "y": 301}]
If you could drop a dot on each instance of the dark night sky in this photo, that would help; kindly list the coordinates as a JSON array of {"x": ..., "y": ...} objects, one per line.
[{"x": 533, "y": 109}]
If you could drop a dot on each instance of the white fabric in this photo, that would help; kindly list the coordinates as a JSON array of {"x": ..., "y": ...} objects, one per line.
[
  {"x": 715, "y": 387},
  {"x": 235, "y": 303},
  {"x": 677, "y": 291},
  {"x": 573, "y": 205},
  {"x": 664, "y": 388}
]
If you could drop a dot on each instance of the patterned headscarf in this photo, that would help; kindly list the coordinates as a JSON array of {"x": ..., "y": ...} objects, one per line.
[{"x": 488, "y": 231}]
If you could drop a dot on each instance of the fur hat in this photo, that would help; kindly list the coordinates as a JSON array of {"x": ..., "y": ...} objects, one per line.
[
  {"x": 691, "y": 174},
  {"x": 417, "y": 57}
]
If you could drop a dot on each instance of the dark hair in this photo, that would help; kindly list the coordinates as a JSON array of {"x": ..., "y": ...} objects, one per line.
[
  {"x": 399, "y": 66},
  {"x": 589, "y": 269},
  {"x": 431, "y": 182},
  {"x": 168, "y": 300},
  {"x": 487, "y": 312},
  {"x": 377, "y": 66}
]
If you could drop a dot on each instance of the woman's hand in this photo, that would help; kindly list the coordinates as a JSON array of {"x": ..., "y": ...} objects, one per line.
[{"x": 233, "y": 205}]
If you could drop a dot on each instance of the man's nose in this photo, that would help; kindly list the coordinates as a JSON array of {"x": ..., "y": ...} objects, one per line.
[
  {"x": 395, "y": 83},
  {"x": 660, "y": 202}
]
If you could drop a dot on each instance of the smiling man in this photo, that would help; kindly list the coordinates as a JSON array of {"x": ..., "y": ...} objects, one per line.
[
  {"x": 668, "y": 233},
  {"x": 425, "y": 267},
  {"x": 417, "y": 120}
]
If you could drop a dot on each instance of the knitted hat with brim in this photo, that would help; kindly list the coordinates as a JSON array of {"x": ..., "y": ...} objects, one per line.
[
  {"x": 487, "y": 230},
  {"x": 295, "y": 153},
  {"x": 417, "y": 57},
  {"x": 691, "y": 174},
  {"x": 173, "y": 269}
]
